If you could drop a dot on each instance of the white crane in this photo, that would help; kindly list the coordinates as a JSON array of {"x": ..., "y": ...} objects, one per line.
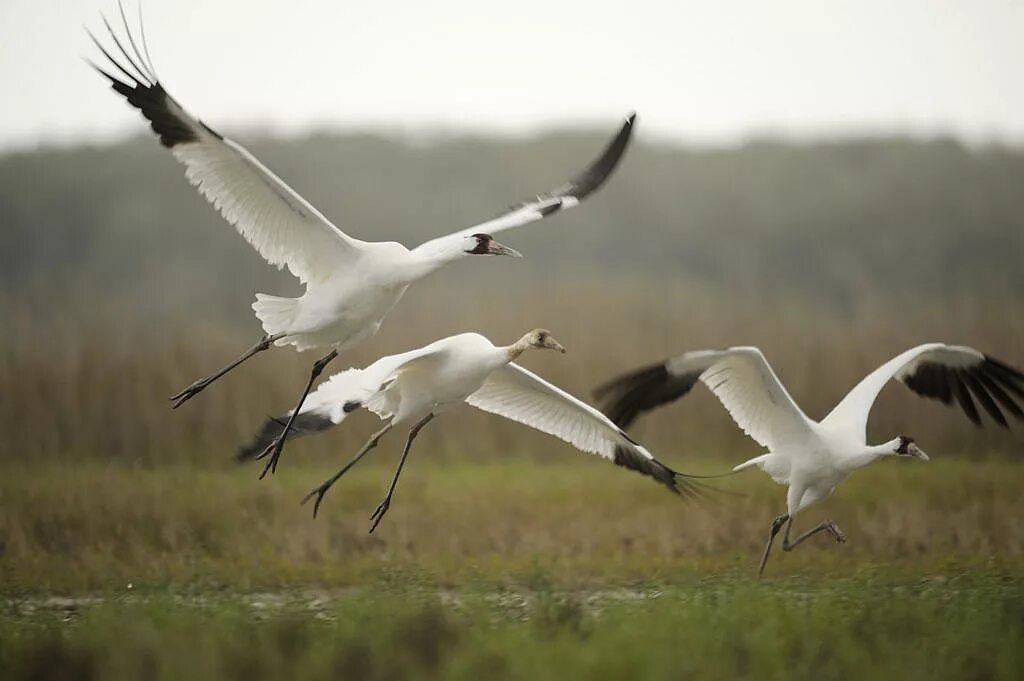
[
  {"x": 411, "y": 388},
  {"x": 350, "y": 285},
  {"x": 813, "y": 457}
]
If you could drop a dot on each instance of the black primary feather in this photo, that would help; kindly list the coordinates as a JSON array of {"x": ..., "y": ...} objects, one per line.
[
  {"x": 305, "y": 424},
  {"x": 630, "y": 395},
  {"x": 144, "y": 92},
  {"x": 989, "y": 383}
]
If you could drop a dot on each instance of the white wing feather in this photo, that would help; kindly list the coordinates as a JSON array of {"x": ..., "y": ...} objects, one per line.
[
  {"x": 362, "y": 387},
  {"x": 282, "y": 226},
  {"x": 521, "y": 396},
  {"x": 748, "y": 388}
]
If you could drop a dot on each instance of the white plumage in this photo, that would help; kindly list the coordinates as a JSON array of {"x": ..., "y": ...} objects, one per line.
[
  {"x": 413, "y": 387},
  {"x": 350, "y": 284},
  {"x": 813, "y": 457}
]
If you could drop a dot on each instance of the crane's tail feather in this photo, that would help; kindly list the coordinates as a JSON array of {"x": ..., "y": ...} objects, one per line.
[{"x": 275, "y": 313}]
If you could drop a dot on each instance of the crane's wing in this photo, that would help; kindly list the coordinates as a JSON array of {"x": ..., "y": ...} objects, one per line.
[
  {"x": 939, "y": 372},
  {"x": 524, "y": 397},
  {"x": 740, "y": 378},
  {"x": 280, "y": 224},
  {"x": 340, "y": 395},
  {"x": 566, "y": 196}
]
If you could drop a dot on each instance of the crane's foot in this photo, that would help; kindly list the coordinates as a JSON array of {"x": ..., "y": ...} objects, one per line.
[
  {"x": 319, "y": 493},
  {"x": 194, "y": 389},
  {"x": 835, "y": 532},
  {"x": 378, "y": 514},
  {"x": 189, "y": 392},
  {"x": 273, "y": 450}
]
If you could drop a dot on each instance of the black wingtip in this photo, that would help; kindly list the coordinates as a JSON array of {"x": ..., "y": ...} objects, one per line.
[
  {"x": 601, "y": 169},
  {"x": 683, "y": 485},
  {"x": 142, "y": 90}
]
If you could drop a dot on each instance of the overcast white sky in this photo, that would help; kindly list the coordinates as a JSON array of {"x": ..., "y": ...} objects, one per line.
[{"x": 708, "y": 72}]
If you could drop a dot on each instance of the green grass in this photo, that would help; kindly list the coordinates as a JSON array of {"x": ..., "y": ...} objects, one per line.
[
  {"x": 969, "y": 627},
  {"x": 512, "y": 569}
]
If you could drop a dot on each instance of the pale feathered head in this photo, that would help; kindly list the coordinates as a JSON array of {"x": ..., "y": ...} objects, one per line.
[{"x": 542, "y": 340}]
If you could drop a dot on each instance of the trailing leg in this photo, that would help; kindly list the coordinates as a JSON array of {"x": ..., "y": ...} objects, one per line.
[
  {"x": 774, "y": 530},
  {"x": 275, "y": 448},
  {"x": 827, "y": 526},
  {"x": 320, "y": 491},
  {"x": 384, "y": 505},
  {"x": 194, "y": 389}
]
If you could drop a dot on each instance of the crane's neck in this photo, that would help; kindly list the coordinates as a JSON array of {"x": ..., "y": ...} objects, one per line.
[
  {"x": 513, "y": 351},
  {"x": 867, "y": 454},
  {"x": 433, "y": 255},
  {"x": 423, "y": 263}
]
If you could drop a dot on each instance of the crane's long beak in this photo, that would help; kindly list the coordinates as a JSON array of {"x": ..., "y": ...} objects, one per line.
[
  {"x": 914, "y": 450},
  {"x": 494, "y": 248}
]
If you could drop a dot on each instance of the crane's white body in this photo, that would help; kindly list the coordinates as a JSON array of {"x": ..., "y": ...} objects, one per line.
[
  {"x": 811, "y": 465},
  {"x": 346, "y": 308}
]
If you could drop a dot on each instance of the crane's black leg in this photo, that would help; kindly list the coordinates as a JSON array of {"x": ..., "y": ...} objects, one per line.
[
  {"x": 827, "y": 526},
  {"x": 275, "y": 448},
  {"x": 383, "y": 507},
  {"x": 774, "y": 530},
  {"x": 197, "y": 387},
  {"x": 320, "y": 491}
]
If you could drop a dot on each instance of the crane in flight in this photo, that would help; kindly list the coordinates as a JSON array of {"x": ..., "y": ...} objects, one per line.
[
  {"x": 411, "y": 388},
  {"x": 808, "y": 456}
]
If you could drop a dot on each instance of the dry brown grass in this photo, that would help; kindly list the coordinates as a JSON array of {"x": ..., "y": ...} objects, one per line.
[
  {"x": 92, "y": 381},
  {"x": 94, "y": 526}
]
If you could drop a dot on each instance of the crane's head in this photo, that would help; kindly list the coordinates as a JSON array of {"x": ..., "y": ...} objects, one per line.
[
  {"x": 905, "y": 446},
  {"x": 484, "y": 244},
  {"x": 543, "y": 340}
]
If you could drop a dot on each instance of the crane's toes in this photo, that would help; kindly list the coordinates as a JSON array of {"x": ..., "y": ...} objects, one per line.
[
  {"x": 836, "y": 533},
  {"x": 378, "y": 514},
  {"x": 187, "y": 394},
  {"x": 319, "y": 493},
  {"x": 273, "y": 450}
]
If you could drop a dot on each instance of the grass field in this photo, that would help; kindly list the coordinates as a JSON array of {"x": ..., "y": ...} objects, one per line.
[{"x": 506, "y": 569}]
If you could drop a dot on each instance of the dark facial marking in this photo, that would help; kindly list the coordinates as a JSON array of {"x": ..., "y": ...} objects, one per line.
[
  {"x": 904, "y": 443},
  {"x": 483, "y": 244}
]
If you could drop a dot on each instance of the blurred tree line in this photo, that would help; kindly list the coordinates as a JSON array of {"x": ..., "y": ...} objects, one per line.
[{"x": 830, "y": 221}]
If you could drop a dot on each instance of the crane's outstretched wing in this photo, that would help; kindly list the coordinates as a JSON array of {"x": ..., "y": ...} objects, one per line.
[
  {"x": 939, "y": 372},
  {"x": 740, "y": 378},
  {"x": 280, "y": 224},
  {"x": 566, "y": 196},
  {"x": 524, "y": 397}
]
